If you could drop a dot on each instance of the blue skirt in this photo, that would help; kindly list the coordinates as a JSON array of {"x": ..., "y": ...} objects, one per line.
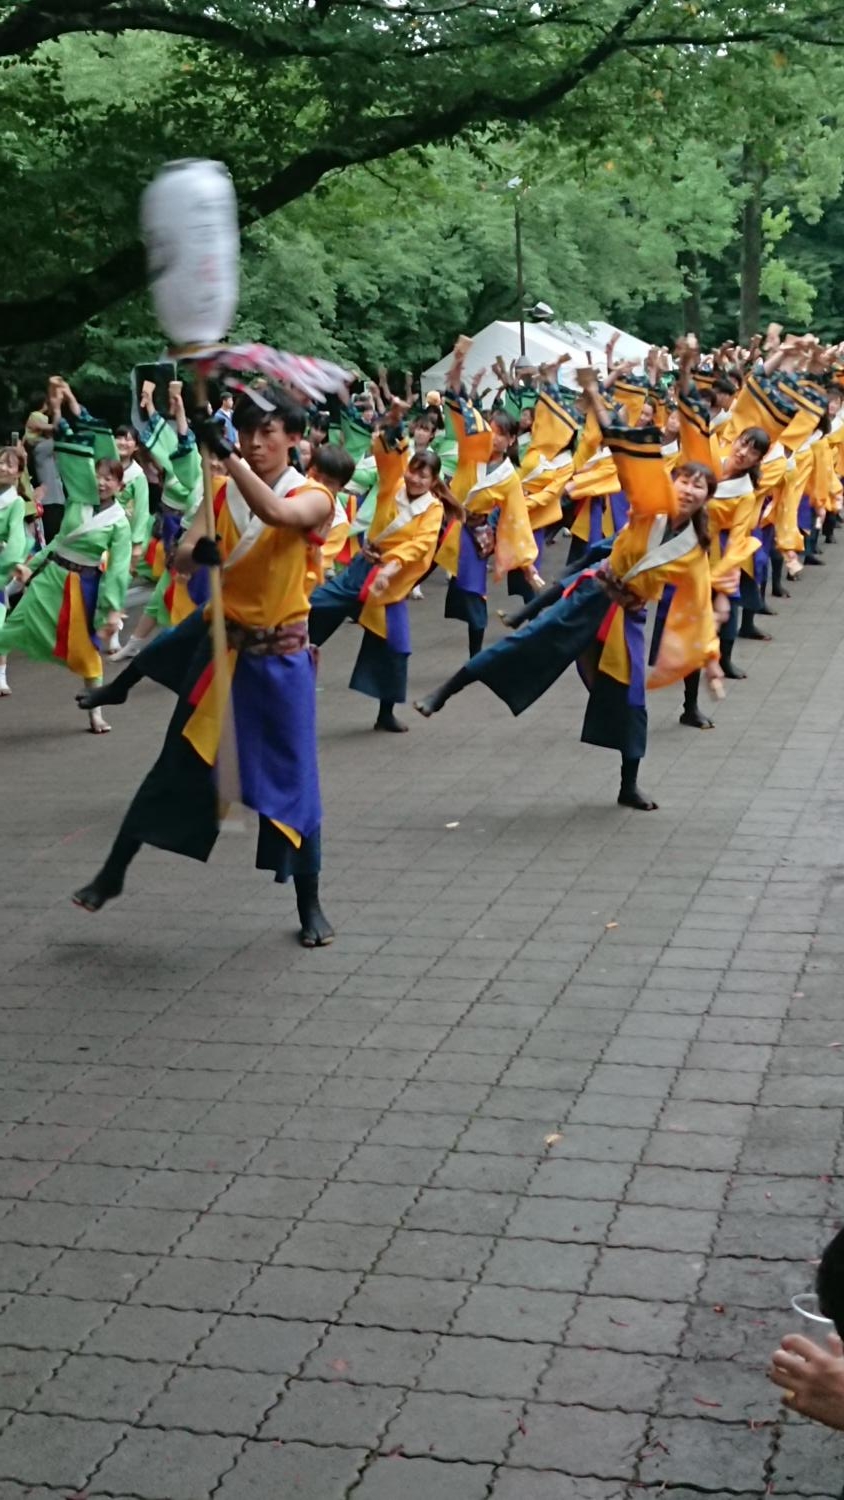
[
  {"x": 274, "y": 703},
  {"x": 805, "y": 514},
  {"x": 466, "y": 595},
  {"x": 762, "y": 558},
  {"x": 521, "y": 667},
  {"x": 517, "y": 585},
  {"x": 381, "y": 667}
]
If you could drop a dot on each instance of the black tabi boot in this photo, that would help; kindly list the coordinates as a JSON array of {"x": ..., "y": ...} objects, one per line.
[
  {"x": 116, "y": 691},
  {"x": 440, "y": 696},
  {"x": 810, "y": 550},
  {"x": 387, "y": 719},
  {"x": 317, "y": 931},
  {"x": 691, "y": 715},
  {"x": 629, "y": 795},
  {"x": 109, "y": 882},
  {"x": 749, "y": 629},
  {"x": 777, "y": 571},
  {"x": 734, "y": 673}
]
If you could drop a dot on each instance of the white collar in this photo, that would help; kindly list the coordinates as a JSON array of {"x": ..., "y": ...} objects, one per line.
[
  {"x": 493, "y": 476},
  {"x": 669, "y": 449},
  {"x": 132, "y": 471},
  {"x": 406, "y": 511},
  {"x": 732, "y": 489},
  {"x": 8, "y": 497},
  {"x": 95, "y": 518},
  {"x": 596, "y": 459},
  {"x": 545, "y": 465},
  {"x": 239, "y": 510},
  {"x": 659, "y": 552}
]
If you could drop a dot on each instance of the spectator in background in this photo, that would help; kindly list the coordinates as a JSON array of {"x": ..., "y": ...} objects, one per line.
[
  {"x": 223, "y": 415},
  {"x": 38, "y": 438}
]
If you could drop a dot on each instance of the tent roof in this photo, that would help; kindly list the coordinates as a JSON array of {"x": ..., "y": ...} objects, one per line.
[{"x": 544, "y": 342}]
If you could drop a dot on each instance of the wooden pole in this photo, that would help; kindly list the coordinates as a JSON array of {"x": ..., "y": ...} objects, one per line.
[{"x": 228, "y": 772}]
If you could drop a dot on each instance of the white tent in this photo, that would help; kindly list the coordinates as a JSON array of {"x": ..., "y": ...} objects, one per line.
[
  {"x": 542, "y": 345},
  {"x": 628, "y": 346},
  {"x": 544, "y": 342}
]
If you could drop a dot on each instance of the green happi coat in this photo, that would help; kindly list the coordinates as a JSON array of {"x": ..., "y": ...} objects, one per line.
[
  {"x": 179, "y": 459},
  {"x": 134, "y": 497},
  {"x": 14, "y": 542},
  {"x": 83, "y": 575}
]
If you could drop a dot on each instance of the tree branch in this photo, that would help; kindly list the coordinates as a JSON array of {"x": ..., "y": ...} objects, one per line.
[
  {"x": 49, "y": 20},
  {"x": 84, "y": 296},
  {"x": 734, "y": 38}
]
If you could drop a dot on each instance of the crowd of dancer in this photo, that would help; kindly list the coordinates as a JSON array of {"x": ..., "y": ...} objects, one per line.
[{"x": 700, "y": 484}]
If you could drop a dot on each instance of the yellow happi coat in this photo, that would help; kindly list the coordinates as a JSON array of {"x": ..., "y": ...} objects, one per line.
[
  {"x": 690, "y": 637},
  {"x": 595, "y": 477},
  {"x": 410, "y": 540},
  {"x": 548, "y": 463},
  {"x": 735, "y": 507},
  {"x": 484, "y": 486}
]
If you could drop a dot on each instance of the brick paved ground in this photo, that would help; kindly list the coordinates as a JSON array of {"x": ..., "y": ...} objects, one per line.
[{"x": 504, "y": 1195}]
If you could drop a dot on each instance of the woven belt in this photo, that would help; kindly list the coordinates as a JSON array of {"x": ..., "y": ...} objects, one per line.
[
  {"x": 85, "y": 570},
  {"x": 276, "y": 640}
]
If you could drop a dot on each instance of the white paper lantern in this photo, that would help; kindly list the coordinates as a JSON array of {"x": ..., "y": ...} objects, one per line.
[{"x": 189, "y": 226}]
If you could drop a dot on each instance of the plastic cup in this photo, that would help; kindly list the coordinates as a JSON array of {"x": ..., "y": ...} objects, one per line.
[{"x": 812, "y": 1323}]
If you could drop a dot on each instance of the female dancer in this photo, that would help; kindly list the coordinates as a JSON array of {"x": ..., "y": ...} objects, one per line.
[
  {"x": 734, "y": 508},
  {"x": 546, "y": 469},
  {"x": 77, "y": 585},
  {"x": 599, "y": 620},
  {"x": 496, "y": 523},
  {"x": 176, "y": 452},
  {"x": 134, "y": 497},
  {"x": 14, "y": 542},
  {"x": 375, "y": 588}
]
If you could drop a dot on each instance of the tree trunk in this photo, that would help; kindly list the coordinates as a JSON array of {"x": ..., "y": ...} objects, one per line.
[
  {"x": 753, "y": 177},
  {"x": 692, "y": 311}
]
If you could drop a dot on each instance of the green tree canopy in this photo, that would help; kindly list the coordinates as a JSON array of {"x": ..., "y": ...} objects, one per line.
[{"x": 289, "y": 92}]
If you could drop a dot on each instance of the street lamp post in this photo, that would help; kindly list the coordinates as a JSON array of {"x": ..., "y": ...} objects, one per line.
[
  {"x": 514, "y": 184},
  {"x": 520, "y": 279}
]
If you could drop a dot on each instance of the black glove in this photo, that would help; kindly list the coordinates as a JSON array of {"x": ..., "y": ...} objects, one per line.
[
  {"x": 212, "y": 435},
  {"x": 206, "y": 553}
]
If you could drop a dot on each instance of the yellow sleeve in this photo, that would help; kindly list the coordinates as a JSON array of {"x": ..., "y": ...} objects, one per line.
[
  {"x": 641, "y": 470},
  {"x": 810, "y": 403},
  {"x": 633, "y": 392},
  {"x": 591, "y": 439},
  {"x": 391, "y": 462},
  {"x": 474, "y": 443},
  {"x": 600, "y": 478},
  {"x": 545, "y": 503},
  {"x": 554, "y": 428},
  {"x": 759, "y": 403},
  {"x": 690, "y": 635},
  {"x": 738, "y": 521},
  {"x": 694, "y": 440},
  {"x": 515, "y": 544}
]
